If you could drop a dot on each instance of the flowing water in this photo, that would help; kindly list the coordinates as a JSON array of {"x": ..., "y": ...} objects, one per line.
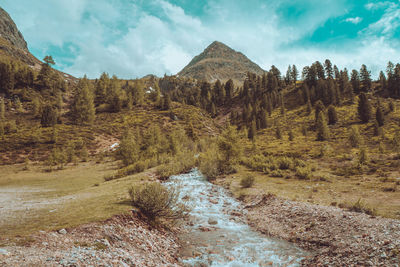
[{"x": 218, "y": 235}]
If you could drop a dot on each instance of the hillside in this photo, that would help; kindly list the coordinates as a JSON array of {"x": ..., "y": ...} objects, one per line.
[{"x": 220, "y": 62}]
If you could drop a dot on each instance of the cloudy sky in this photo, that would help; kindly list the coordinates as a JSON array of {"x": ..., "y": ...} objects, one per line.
[{"x": 133, "y": 38}]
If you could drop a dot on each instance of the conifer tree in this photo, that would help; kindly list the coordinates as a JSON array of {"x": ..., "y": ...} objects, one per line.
[
  {"x": 322, "y": 128},
  {"x": 382, "y": 80},
  {"x": 167, "y": 102},
  {"x": 309, "y": 107},
  {"x": 49, "y": 116},
  {"x": 328, "y": 69},
  {"x": 355, "y": 81},
  {"x": 2, "y": 110},
  {"x": 82, "y": 108},
  {"x": 319, "y": 107},
  {"x": 354, "y": 137},
  {"x": 263, "y": 119},
  {"x": 252, "y": 131},
  {"x": 364, "y": 108},
  {"x": 332, "y": 115},
  {"x": 229, "y": 89},
  {"x": 365, "y": 78},
  {"x": 294, "y": 74},
  {"x": 138, "y": 93},
  {"x": 379, "y": 116}
]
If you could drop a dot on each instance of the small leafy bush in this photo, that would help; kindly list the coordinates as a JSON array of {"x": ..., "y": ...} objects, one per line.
[
  {"x": 247, "y": 181},
  {"x": 303, "y": 172},
  {"x": 157, "y": 202}
]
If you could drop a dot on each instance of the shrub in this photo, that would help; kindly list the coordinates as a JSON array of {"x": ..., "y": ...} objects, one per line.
[
  {"x": 276, "y": 173},
  {"x": 285, "y": 163},
  {"x": 303, "y": 172},
  {"x": 247, "y": 181},
  {"x": 291, "y": 135},
  {"x": 49, "y": 116},
  {"x": 157, "y": 202},
  {"x": 359, "y": 206},
  {"x": 379, "y": 116}
]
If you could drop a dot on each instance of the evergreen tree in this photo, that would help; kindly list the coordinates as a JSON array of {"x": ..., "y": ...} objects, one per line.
[
  {"x": 365, "y": 78},
  {"x": 328, "y": 69},
  {"x": 309, "y": 106},
  {"x": 263, "y": 119},
  {"x": 355, "y": 81},
  {"x": 288, "y": 77},
  {"x": 252, "y": 131},
  {"x": 138, "y": 93},
  {"x": 213, "y": 110},
  {"x": 229, "y": 89},
  {"x": 332, "y": 115},
  {"x": 382, "y": 80},
  {"x": 319, "y": 107},
  {"x": 128, "y": 150},
  {"x": 49, "y": 116},
  {"x": 2, "y": 110},
  {"x": 322, "y": 128},
  {"x": 354, "y": 137},
  {"x": 364, "y": 108},
  {"x": 294, "y": 74},
  {"x": 82, "y": 108},
  {"x": 167, "y": 102},
  {"x": 379, "y": 116},
  {"x": 336, "y": 72}
]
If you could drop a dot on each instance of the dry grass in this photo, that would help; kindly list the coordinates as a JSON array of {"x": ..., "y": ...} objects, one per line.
[{"x": 62, "y": 199}]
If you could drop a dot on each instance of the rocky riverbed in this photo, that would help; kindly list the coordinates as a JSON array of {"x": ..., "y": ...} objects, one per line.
[{"x": 336, "y": 237}]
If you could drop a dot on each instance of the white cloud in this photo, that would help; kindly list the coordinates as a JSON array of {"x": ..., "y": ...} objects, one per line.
[
  {"x": 123, "y": 38},
  {"x": 354, "y": 20}
]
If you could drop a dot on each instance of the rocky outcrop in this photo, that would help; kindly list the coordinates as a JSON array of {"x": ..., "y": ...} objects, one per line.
[
  {"x": 10, "y": 32},
  {"x": 220, "y": 62}
]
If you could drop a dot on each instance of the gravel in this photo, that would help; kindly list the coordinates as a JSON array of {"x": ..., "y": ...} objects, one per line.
[
  {"x": 123, "y": 240},
  {"x": 334, "y": 236}
]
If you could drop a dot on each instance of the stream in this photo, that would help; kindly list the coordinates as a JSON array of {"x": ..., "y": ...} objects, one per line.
[{"x": 217, "y": 233}]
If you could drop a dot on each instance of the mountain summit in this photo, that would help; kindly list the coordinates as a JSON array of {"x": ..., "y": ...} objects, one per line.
[{"x": 218, "y": 61}]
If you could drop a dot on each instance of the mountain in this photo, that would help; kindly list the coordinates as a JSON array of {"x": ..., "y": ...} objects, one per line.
[
  {"x": 218, "y": 61},
  {"x": 12, "y": 43},
  {"x": 10, "y": 32}
]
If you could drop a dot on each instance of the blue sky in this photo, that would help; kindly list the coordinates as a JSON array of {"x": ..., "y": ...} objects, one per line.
[{"x": 133, "y": 38}]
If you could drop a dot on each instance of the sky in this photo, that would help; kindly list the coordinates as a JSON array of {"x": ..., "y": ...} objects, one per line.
[{"x": 134, "y": 38}]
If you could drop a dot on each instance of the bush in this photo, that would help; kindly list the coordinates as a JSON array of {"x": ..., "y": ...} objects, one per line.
[
  {"x": 285, "y": 163},
  {"x": 157, "y": 202},
  {"x": 359, "y": 206},
  {"x": 332, "y": 115},
  {"x": 303, "y": 172},
  {"x": 247, "y": 181}
]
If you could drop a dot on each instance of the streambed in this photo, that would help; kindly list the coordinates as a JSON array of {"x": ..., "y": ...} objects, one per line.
[{"x": 218, "y": 234}]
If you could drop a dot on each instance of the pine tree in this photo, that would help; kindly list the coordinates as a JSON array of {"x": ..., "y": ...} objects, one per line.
[
  {"x": 355, "y": 81},
  {"x": 319, "y": 107},
  {"x": 49, "y": 116},
  {"x": 138, "y": 93},
  {"x": 252, "y": 131},
  {"x": 282, "y": 105},
  {"x": 365, "y": 78},
  {"x": 83, "y": 109},
  {"x": 263, "y": 119},
  {"x": 167, "y": 102},
  {"x": 309, "y": 107},
  {"x": 379, "y": 116},
  {"x": 229, "y": 89},
  {"x": 294, "y": 75},
  {"x": 322, "y": 128},
  {"x": 354, "y": 137},
  {"x": 2, "y": 110},
  {"x": 328, "y": 69},
  {"x": 382, "y": 81},
  {"x": 213, "y": 110},
  {"x": 332, "y": 115},
  {"x": 364, "y": 108}
]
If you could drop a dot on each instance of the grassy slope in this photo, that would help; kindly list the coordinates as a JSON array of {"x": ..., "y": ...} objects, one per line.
[{"x": 332, "y": 182}]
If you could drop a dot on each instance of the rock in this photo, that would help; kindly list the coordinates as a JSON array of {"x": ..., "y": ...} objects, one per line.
[
  {"x": 212, "y": 222},
  {"x": 4, "y": 252},
  {"x": 62, "y": 231},
  {"x": 105, "y": 242}
]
